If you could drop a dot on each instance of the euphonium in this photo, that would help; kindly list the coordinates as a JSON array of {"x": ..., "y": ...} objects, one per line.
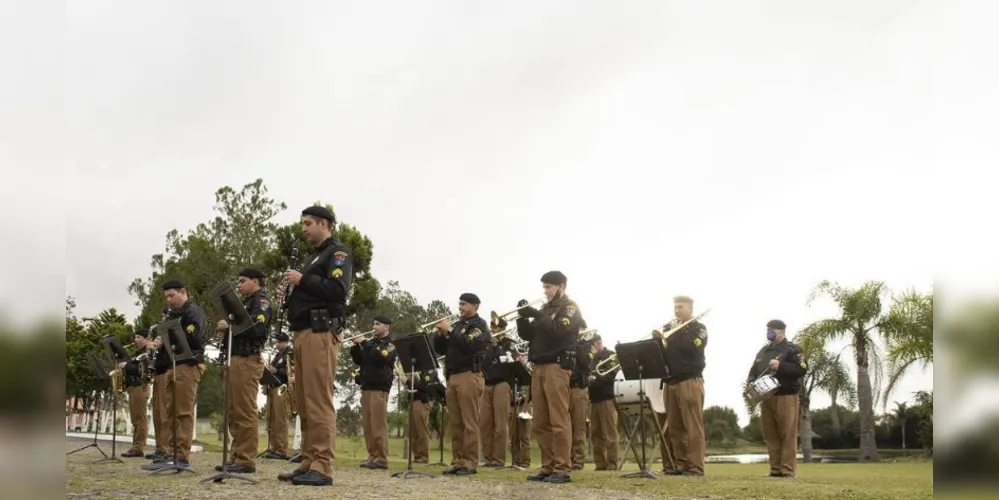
[
  {"x": 607, "y": 365},
  {"x": 286, "y": 390},
  {"x": 117, "y": 377}
]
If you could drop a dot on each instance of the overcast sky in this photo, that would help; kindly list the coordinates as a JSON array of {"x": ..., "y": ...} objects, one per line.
[{"x": 737, "y": 152}]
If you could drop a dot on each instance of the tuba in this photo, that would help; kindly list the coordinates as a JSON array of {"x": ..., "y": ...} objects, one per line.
[{"x": 117, "y": 377}]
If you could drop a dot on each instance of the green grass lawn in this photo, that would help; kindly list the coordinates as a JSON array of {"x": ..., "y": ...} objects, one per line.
[{"x": 887, "y": 480}]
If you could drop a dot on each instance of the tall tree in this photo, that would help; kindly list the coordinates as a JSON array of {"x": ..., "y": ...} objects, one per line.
[
  {"x": 239, "y": 235},
  {"x": 827, "y": 373},
  {"x": 908, "y": 336},
  {"x": 861, "y": 319}
]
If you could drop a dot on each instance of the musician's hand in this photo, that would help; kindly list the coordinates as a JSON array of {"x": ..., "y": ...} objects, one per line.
[
  {"x": 158, "y": 342},
  {"x": 592, "y": 379},
  {"x": 529, "y": 312},
  {"x": 774, "y": 364},
  {"x": 522, "y": 358},
  {"x": 221, "y": 325},
  {"x": 656, "y": 334},
  {"x": 522, "y": 302},
  {"x": 291, "y": 380},
  {"x": 151, "y": 346},
  {"x": 279, "y": 296},
  {"x": 121, "y": 364},
  {"x": 293, "y": 277},
  {"x": 271, "y": 369},
  {"x": 443, "y": 325}
]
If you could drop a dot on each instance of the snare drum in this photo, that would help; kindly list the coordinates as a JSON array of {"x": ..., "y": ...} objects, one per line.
[{"x": 763, "y": 387}]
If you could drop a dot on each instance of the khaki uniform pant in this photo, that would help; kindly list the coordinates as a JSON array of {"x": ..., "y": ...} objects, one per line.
[
  {"x": 138, "y": 399},
  {"x": 161, "y": 419},
  {"x": 779, "y": 417},
  {"x": 277, "y": 422},
  {"x": 244, "y": 385},
  {"x": 684, "y": 410},
  {"x": 552, "y": 430},
  {"x": 605, "y": 438},
  {"x": 181, "y": 395},
  {"x": 463, "y": 395},
  {"x": 315, "y": 362},
  {"x": 494, "y": 414},
  {"x": 579, "y": 399},
  {"x": 374, "y": 420},
  {"x": 419, "y": 432},
  {"x": 665, "y": 447},
  {"x": 520, "y": 438}
]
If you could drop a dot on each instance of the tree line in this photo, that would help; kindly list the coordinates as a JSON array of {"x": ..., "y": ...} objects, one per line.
[{"x": 886, "y": 334}]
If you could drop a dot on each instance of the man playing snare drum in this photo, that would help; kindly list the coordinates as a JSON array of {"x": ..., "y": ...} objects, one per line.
[{"x": 779, "y": 413}]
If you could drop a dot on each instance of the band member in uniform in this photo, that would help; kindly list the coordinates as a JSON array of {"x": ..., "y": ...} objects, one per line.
[
  {"x": 464, "y": 346},
  {"x": 427, "y": 387},
  {"x": 138, "y": 394},
  {"x": 277, "y": 410},
  {"x": 579, "y": 399},
  {"x": 245, "y": 368},
  {"x": 779, "y": 413},
  {"x": 376, "y": 358},
  {"x": 552, "y": 334},
  {"x": 181, "y": 391},
  {"x": 603, "y": 412},
  {"x": 494, "y": 410},
  {"x": 316, "y": 312},
  {"x": 520, "y": 428},
  {"x": 685, "y": 390},
  {"x": 161, "y": 419}
]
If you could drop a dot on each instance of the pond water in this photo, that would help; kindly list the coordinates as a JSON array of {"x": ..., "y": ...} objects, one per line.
[{"x": 759, "y": 458}]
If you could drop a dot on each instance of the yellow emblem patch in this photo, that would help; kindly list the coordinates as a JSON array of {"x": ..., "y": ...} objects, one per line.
[
  {"x": 337, "y": 273},
  {"x": 384, "y": 353},
  {"x": 697, "y": 342},
  {"x": 565, "y": 321},
  {"x": 427, "y": 378},
  {"x": 261, "y": 318},
  {"x": 190, "y": 328}
]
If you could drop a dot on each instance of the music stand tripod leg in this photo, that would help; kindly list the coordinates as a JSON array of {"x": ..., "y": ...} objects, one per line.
[
  {"x": 101, "y": 373},
  {"x": 97, "y": 428},
  {"x": 643, "y": 471},
  {"x": 114, "y": 432},
  {"x": 440, "y": 433},
  {"x": 409, "y": 472}
]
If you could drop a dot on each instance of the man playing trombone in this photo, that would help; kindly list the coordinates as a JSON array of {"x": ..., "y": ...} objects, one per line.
[
  {"x": 464, "y": 347},
  {"x": 552, "y": 333},
  {"x": 376, "y": 358},
  {"x": 603, "y": 412},
  {"x": 684, "y": 391}
]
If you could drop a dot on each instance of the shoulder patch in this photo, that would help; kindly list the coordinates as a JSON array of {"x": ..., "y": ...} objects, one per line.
[
  {"x": 339, "y": 257},
  {"x": 426, "y": 378},
  {"x": 384, "y": 353},
  {"x": 698, "y": 342},
  {"x": 474, "y": 332},
  {"x": 261, "y": 318},
  {"x": 190, "y": 328},
  {"x": 336, "y": 273},
  {"x": 565, "y": 321},
  {"x": 570, "y": 310}
]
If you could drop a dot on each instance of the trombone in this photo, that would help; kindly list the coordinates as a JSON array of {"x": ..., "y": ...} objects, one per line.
[
  {"x": 502, "y": 319},
  {"x": 607, "y": 365},
  {"x": 587, "y": 335},
  {"x": 674, "y": 327},
  {"x": 347, "y": 342}
]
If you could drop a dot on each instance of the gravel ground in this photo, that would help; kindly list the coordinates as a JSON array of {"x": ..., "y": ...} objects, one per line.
[{"x": 86, "y": 480}]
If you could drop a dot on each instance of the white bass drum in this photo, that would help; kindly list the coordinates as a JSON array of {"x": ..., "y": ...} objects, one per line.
[{"x": 626, "y": 393}]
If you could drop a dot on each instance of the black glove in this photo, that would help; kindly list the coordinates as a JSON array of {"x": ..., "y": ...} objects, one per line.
[
  {"x": 522, "y": 303},
  {"x": 529, "y": 312}
]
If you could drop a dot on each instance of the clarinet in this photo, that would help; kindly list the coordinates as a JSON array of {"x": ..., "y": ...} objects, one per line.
[{"x": 282, "y": 311}]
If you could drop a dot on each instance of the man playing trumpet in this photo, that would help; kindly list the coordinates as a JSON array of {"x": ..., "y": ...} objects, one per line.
[
  {"x": 552, "y": 333},
  {"x": 376, "y": 358},
  {"x": 464, "y": 347}
]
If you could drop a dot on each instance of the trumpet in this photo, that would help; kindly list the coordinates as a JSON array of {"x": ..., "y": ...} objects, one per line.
[
  {"x": 674, "y": 327},
  {"x": 500, "y": 320},
  {"x": 353, "y": 339},
  {"x": 606, "y": 366},
  {"x": 452, "y": 319}
]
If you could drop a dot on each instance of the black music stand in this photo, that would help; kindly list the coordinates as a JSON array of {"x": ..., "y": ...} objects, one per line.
[
  {"x": 442, "y": 414},
  {"x": 416, "y": 356},
  {"x": 100, "y": 372},
  {"x": 176, "y": 346},
  {"x": 226, "y": 302},
  {"x": 116, "y": 352},
  {"x": 522, "y": 378},
  {"x": 642, "y": 360}
]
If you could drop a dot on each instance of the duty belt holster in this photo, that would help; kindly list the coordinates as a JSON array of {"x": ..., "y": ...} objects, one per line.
[
  {"x": 476, "y": 365},
  {"x": 568, "y": 360}
]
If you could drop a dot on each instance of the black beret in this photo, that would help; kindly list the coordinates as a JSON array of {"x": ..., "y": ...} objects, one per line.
[
  {"x": 596, "y": 338},
  {"x": 554, "y": 278},
  {"x": 173, "y": 285},
  {"x": 385, "y": 320},
  {"x": 252, "y": 272},
  {"x": 776, "y": 324},
  {"x": 142, "y": 332},
  {"x": 582, "y": 323},
  {"x": 321, "y": 212},
  {"x": 471, "y": 298},
  {"x": 281, "y": 337}
]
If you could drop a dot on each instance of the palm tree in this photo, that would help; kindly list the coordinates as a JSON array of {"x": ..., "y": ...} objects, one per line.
[
  {"x": 860, "y": 321},
  {"x": 826, "y": 372},
  {"x": 908, "y": 336},
  {"x": 899, "y": 416}
]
